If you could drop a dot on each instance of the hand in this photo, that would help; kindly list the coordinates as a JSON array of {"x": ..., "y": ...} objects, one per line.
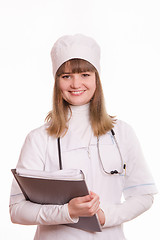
[
  {"x": 101, "y": 217},
  {"x": 84, "y": 206}
]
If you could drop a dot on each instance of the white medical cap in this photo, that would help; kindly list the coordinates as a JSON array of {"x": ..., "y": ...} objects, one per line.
[{"x": 75, "y": 46}]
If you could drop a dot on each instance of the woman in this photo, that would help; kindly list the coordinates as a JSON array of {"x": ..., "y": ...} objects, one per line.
[{"x": 105, "y": 149}]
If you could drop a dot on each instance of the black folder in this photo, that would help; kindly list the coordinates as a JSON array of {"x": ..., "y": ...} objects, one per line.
[{"x": 53, "y": 191}]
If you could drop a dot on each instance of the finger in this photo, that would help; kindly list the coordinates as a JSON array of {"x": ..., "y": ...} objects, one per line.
[
  {"x": 95, "y": 199},
  {"x": 84, "y": 199},
  {"x": 96, "y": 205},
  {"x": 92, "y": 193},
  {"x": 93, "y": 205},
  {"x": 87, "y": 203},
  {"x": 94, "y": 208}
]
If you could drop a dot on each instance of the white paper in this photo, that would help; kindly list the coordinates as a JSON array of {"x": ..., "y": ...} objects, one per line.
[{"x": 65, "y": 174}]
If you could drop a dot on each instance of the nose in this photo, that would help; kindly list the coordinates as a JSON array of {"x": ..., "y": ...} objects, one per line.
[{"x": 76, "y": 81}]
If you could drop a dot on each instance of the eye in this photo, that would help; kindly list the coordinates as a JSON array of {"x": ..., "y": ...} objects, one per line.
[
  {"x": 85, "y": 74},
  {"x": 65, "y": 76}
]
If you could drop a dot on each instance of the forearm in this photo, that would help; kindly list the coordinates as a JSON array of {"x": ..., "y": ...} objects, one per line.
[
  {"x": 28, "y": 213},
  {"x": 128, "y": 210}
]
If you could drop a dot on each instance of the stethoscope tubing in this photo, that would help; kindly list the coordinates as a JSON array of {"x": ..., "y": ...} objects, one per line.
[
  {"x": 123, "y": 166},
  {"x": 117, "y": 145}
]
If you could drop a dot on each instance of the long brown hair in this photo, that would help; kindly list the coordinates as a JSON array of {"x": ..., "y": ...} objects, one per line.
[{"x": 100, "y": 121}]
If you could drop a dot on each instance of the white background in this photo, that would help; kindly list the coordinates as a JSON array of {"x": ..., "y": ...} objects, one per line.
[{"x": 129, "y": 35}]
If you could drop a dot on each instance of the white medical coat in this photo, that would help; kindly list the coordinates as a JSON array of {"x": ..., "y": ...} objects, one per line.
[{"x": 79, "y": 150}]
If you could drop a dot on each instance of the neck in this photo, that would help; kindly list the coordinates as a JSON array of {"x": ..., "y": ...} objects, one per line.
[{"x": 80, "y": 108}]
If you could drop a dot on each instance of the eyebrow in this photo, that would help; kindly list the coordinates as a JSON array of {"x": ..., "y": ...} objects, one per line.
[
  {"x": 74, "y": 73},
  {"x": 66, "y": 73}
]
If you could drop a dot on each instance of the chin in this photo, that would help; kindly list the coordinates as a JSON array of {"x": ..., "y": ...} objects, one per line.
[
  {"x": 76, "y": 102},
  {"x": 79, "y": 104}
]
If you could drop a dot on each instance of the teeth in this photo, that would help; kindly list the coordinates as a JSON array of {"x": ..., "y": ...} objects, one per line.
[{"x": 76, "y": 92}]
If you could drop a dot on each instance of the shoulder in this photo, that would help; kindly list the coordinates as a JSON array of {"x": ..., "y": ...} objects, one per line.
[
  {"x": 124, "y": 130},
  {"x": 38, "y": 134},
  {"x": 126, "y": 136},
  {"x": 33, "y": 151},
  {"x": 121, "y": 126}
]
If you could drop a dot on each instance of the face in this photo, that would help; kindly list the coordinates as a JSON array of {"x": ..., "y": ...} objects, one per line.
[{"x": 77, "y": 88}]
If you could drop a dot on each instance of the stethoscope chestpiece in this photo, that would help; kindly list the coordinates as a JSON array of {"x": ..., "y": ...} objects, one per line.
[{"x": 114, "y": 172}]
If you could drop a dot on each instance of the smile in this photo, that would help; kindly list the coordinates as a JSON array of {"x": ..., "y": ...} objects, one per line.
[{"x": 77, "y": 93}]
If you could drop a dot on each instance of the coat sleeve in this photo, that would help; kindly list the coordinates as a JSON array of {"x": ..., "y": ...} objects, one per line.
[
  {"x": 28, "y": 213},
  {"x": 32, "y": 156},
  {"x": 138, "y": 179},
  {"x": 139, "y": 185},
  {"x": 117, "y": 214}
]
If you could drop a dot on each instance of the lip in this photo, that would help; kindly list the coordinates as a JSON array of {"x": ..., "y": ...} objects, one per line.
[{"x": 77, "y": 93}]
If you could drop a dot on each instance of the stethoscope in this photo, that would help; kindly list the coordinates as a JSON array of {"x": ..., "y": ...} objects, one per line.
[{"x": 123, "y": 166}]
